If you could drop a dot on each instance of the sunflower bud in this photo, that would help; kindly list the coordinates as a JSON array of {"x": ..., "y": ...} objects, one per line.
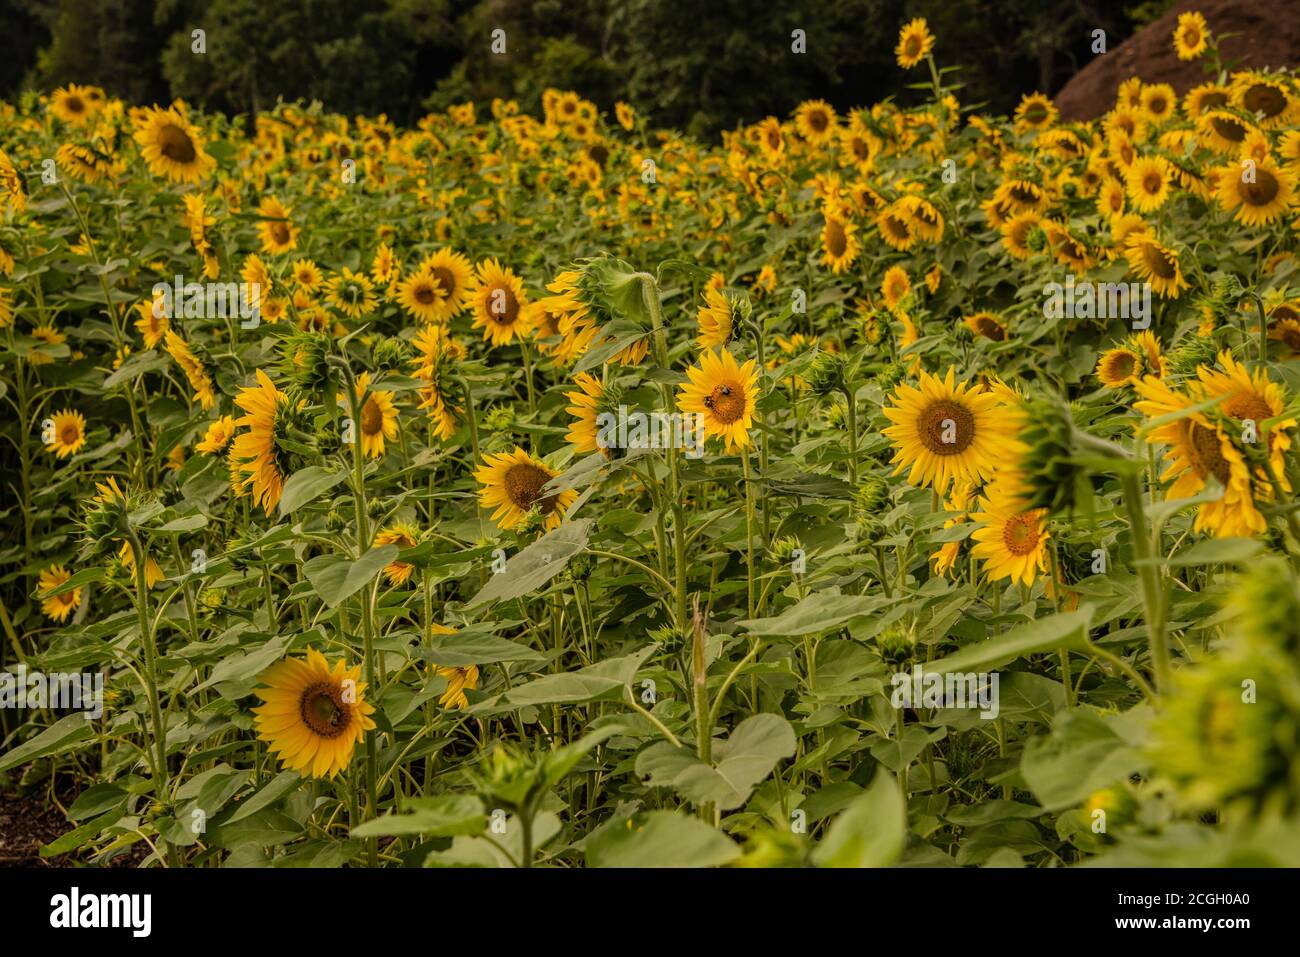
[
  {"x": 499, "y": 418},
  {"x": 1037, "y": 239},
  {"x": 890, "y": 376},
  {"x": 825, "y": 373},
  {"x": 773, "y": 847},
  {"x": 1192, "y": 351},
  {"x": 896, "y": 646},
  {"x": 391, "y": 354},
  {"x": 304, "y": 360}
]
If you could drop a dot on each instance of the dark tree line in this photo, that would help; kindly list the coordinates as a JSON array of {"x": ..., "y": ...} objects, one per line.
[{"x": 695, "y": 66}]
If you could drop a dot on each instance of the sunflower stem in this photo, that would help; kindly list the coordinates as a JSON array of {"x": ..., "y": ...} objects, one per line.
[
  {"x": 1144, "y": 557},
  {"x": 749, "y": 533}
]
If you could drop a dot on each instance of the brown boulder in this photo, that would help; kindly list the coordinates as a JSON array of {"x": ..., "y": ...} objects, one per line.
[{"x": 1267, "y": 35}]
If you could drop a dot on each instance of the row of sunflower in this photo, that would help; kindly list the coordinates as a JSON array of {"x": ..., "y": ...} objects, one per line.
[{"x": 376, "y": 488}]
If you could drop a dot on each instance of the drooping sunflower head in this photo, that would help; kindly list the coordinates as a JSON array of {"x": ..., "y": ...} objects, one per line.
[
  {"x": 724, "y": 393},
  {"x": 592, "y": 405},
  {"x": 262, "y": 458},
  {"x": 314, "y": 714},
  {"x": 1156, "y": 264},
  {"x": 217, "y": 436},
  {"x": 720, "y": 318},
  {"x": 65, "y": 433},
  {"x": 944, "y": 431},
  {"x": 513, "y": 485},
  {"x": 195, "y": 367},
  {"x": 403, "y": 535},
  {"x": 57, "y": 607}
]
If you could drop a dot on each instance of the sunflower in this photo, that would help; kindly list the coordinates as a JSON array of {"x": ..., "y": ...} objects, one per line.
[
  {"x": 384, "y": 268},
  {"x": 1011, "y": 542},
  {"x": 914, "y": 41},
  {"x": 512, "y": 484},
  {"x": 1020, "y": 196},
  {"x": 305, "y": 274},
  {"x": 1035, "y": 112},
  {"x": 1222, "y": 131},
  {"x": 1119, "y": 367},
  {"x": 47, "y": 335},
  {"x": 458, "y": 678},
  {"x": 404, "y": 535},
  {"x": 1147, "y": 182},
  {"x": 1254, "y": 398},
  {"x": 351, "y": 293},
  {"x": 1201, "y": 99},
  {"x": 256, "y": 453},
  {"x": 946, "y": 431},
  {"x": 421, "y": 296},
  {"x": 437, "y": 354},
  {"x": 923, "y": 219},
  {"x": 1190, "y": 36},
  {"x": 1265, "y": 198},
  {"x": 171, "y": 145},
  {"x": 1156, "y": 264},
  {"x": 58, "y": 607},
  {"x": 1264, "y": 98},
  {"x": 275, "y": 231},
  {"x": 625, "y": 115},
  {"x": 314, "y": 715},
  {"x": 153, "y": 572},
  {"x": 986, "y": 325},
  {"x": 378, "y": 417},
  {"x": 725, "y": 394},
  {"x": 1159, "y": 101},
  {"x": 840, "y": 245},
  {"x": 499, "y": 303},
  {"x": 1287, "y": 332},
  {"x": 895, "y": 228},
  {"x": 718, "y": 319},
  {"x": 1015, "y": 234},
  {"x": 816, "y": 122},
  {"x": 956, "y": 505},
  {"x": 73, "y": 104},
  {"x": 217, "y": 437},
  {"x": 588, "y": 402},
  {"x": 193, "y": 367},
  {"x": 1147, "y": 346},
  {"x": 895, "y": 286},
  {"x": 1198, "y": 450},
  {"x": 1110, "y": 199},
  {"x": 455, "y": 277},
  {"x": 770, "y": 139},
  {"x": 67, "y": 433},
  {"x": 83, "y": 163}
]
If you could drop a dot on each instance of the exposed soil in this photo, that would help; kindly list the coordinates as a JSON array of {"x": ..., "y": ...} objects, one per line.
[
  {"x": 29, "y": 821},
  {"x": 1268, "y": 35}
]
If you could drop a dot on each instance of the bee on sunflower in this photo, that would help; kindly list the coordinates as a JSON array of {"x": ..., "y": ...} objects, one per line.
[
  {"x": 512, "y": 485},
  {"x": 313, "y": 715},
  {"x": 725, "y": 393}
]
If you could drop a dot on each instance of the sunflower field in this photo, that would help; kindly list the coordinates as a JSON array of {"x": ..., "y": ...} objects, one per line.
[{"x": 905, "y": 486}]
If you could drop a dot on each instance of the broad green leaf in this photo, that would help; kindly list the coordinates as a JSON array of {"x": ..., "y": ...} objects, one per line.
[
  {"x": 1066, "y": 630},
  {"x": 336, "y": 579},
  {"x": 302, "y": 487},
  {"x": 1216, "y": 551},
  {"x": 604, "y": 679},
  {"x": 535, "y": 565},
  {"x": 660, "y": 839},
  {"x": 64, "y": 735},
  {"x": 870, "y": 833},
  {"x": 741, "y": 762},
  {"x": 461, "y": 650},
  {"x": 446, "y": 815},
  {"x": 1084, "y": 753},
  {"x": 816, "y": 613}
]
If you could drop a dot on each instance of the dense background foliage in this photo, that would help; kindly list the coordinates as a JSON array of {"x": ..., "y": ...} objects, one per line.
[{"x": 697, "y": 71}]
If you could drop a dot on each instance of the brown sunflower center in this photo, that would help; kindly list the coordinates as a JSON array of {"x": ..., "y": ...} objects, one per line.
[
  {"x": 1264, "y": 98},
  {"x": 946, "y": 427},
  {"x": 502, "y": 306},
  {"x": 1191, "y": 35},
  {"x": 988, "y": 327},
  {"x": 861, "y": 150},
  {"x": 1121, "y": 366},
  {"x": 74, "y": 104},
  {"x": 1290, "y": 335},
  {"x": 818, "y": 120},
  {"x": 524, "y": 484},
  {"x": 175, "y": 144},
  {"x": 837, "y": 241},
  {"x": 1026, "y": 194},
  {"x": 424, "y": 295},
  {"x": 1152, "y": 182},
  {"x": 1229, "y": 128},
  {"x": 1160, "y": 261},
  {"x": 372, "y": 417},
  {"x": 1020, "y": 535},
  {"x": 727, "y": 403},
  {"x": 1158, "y": 105},
  {"x": 1207, "y": 454},
  {"x": 1261, "y": 192},
  {"x": 1248, "y": 405},
  {"x": 323, "y": 709},
  {"x": 446, "y": 279},
  {"x": 69, "y": 434},
  {"x": 1213, "y": 99},
  {"x": 912, "y": 46},
  {"x": 895, "y": 227},
  {"x": 280, "y": 233},
  {"x": 773, "y": 139}
]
